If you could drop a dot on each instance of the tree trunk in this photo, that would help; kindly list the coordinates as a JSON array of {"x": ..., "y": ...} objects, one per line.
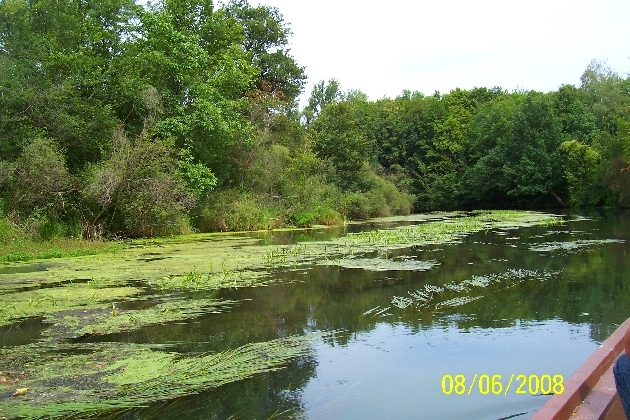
[{"x": 559, "y": 200}]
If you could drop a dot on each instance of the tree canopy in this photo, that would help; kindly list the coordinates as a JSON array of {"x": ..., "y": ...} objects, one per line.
[{"x": 120, "y": 118}]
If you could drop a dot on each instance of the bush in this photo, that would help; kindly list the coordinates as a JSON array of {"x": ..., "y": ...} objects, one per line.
[
  {"x": 382, "y": 199},
  {"x": 40, "y": 226},
  {"x": 8, "y": 231},
  {"x": 329, "y": 216},
  {"x": 396, "y": 201},
  {"x": 136, "y": 191},
  {"x": 38, "y": 180},
  {"x": 356, "y": 207},
  {"x": 305, "y": 218},
  {"x": 233, "y": 210}
]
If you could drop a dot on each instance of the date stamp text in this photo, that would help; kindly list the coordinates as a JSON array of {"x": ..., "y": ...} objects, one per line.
[{"x": 498, "y": 385}]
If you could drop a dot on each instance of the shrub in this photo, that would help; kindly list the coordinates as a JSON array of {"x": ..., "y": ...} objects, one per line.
[
  {"x": 233, "y": 210},
  {"x": 38, "y": 179},
  {"x": 382, "y": 199},
  {"x": 8, "y": 231},
  {"x": 305, "y": 218},
  {"x": 356, "y": 207},
  {"x": 136, "y": 191},
  {"x": 328, "y": 216}
]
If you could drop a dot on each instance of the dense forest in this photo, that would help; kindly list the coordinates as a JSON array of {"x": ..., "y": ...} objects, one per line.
[{"x": 122, "y": 119}]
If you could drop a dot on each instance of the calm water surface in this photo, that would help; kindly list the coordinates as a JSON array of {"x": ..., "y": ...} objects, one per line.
[{"x": 392, "y": 365}]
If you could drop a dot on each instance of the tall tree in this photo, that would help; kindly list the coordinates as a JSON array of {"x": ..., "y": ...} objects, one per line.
[
  {"x": 571, "y": 106},
  {"x": 339, "y": 139},
  {"x": 266, "y": 39},
  {"x": 199, "y": 75},
  {"x": 58, "y": 61},
  {"x": 322, "y": 94},
  {"x": 521, "y": 165},
  {"x": 605, "y": 92}
]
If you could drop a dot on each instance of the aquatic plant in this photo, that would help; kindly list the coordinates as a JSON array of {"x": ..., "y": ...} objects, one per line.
[
  {"x": 109, "y": 377},
  {"x": 99, "y": 321},
  {"x": 432, "y": 298},
  {"x": 572, "y": 246},
  {"x": 14, "y": 306},
  {"x": 380, "y": 264}
]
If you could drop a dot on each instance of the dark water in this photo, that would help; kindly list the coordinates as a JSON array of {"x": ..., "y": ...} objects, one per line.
[
  {"x": 27, "y": 268},
  {"x": 394, "y": 366}
]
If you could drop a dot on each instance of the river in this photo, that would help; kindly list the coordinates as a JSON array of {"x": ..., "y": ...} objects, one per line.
[
  {"x": 405, "y": 323},
  {"x": 375, "y": 363}
]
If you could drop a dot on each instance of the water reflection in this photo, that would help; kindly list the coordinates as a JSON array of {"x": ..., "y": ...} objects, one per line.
[{"x": 392, "y": 365}]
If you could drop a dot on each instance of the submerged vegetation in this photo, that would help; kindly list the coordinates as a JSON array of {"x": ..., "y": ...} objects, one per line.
[
  {"x": 45, "y": 301},
  {"x": 143, "y": 285},
  {"x": 382, "y": 264},
  {"x": 579, "y": 245},
  {"x": 432, "y": 298},
  {"x": 230, "y": 262},
  {"x": 110, "y": 319},
  {"x": 64, "y": 381}
]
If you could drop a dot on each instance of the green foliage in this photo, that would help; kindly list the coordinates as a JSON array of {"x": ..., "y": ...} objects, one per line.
[
  {"x": 201, "y": 109},
  {"x": 338, "y": 139},
  {"x": 8, "y": 232},
  {"x": 38, "y": 182},
  {"x": 322, "y": 94},
  {"x": 234, "y": 210},
  {"x": 305, "y": 218},
  {"x": 198, "y": 178},
  {"x": 137, "y": 190},
  {"x": 16, "y": 244},
  {"x": 354, "y": 95},
  {"x": 328, "y": 216},
  {"x": 617, "y": 177},
  {"x": 357, "y": 206},
  {"x": 522, "y": 165},
  {"x": 606, "y": 95},
  {"x": 62, "y": 65},
  {"x": 582, "y": 173},
  {"x": 578, "y": 122},
  {"x": 208, "y": 96},
  {"x": 266, "y": 36},
  {"x": 381, "y": 199},
  {"x": 268, "y": 173}
]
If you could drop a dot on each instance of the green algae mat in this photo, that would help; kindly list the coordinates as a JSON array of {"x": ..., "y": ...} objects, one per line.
[{"x": 176, "y": 280}]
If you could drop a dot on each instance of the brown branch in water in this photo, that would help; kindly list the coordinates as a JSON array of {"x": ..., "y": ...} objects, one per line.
[{"x": 559, "y": 200}]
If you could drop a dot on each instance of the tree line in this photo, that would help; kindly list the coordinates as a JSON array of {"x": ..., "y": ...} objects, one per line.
[
  {"x": 487, "y": 148},
  {"x": 124, "y": 119}
]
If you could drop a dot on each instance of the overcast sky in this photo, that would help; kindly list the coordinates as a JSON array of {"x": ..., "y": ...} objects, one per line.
[{"x": 384, "y": 47}]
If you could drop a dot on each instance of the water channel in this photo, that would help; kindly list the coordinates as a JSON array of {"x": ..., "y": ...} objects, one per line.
[{"x": 376, "y": 360}]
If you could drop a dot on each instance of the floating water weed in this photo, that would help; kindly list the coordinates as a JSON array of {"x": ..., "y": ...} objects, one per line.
[
  {"x": 401, "y": 302},
  {"x": 458, "y": 301},
  {"x": 572, "y": 245},
  {"x": 382, "y": 311},
  {"x": 380, "y": 264},
  {"x": 431, "y": 298},
  {"x": 369, "y": 311},
  {"x": 450, "y": 230},
  {"x": 52, "y": 300},
  {"x": 99, "y": 321},
  {"x": 113, "y": 377}
]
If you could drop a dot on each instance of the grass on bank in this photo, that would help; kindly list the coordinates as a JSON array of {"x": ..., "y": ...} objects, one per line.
[
  {"x": 31, "y": 242},
  {"x": 27, "y": 250}
]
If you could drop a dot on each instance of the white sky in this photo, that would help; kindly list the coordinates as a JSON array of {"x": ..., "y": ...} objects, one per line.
[{"x": 383, "y": 47}]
